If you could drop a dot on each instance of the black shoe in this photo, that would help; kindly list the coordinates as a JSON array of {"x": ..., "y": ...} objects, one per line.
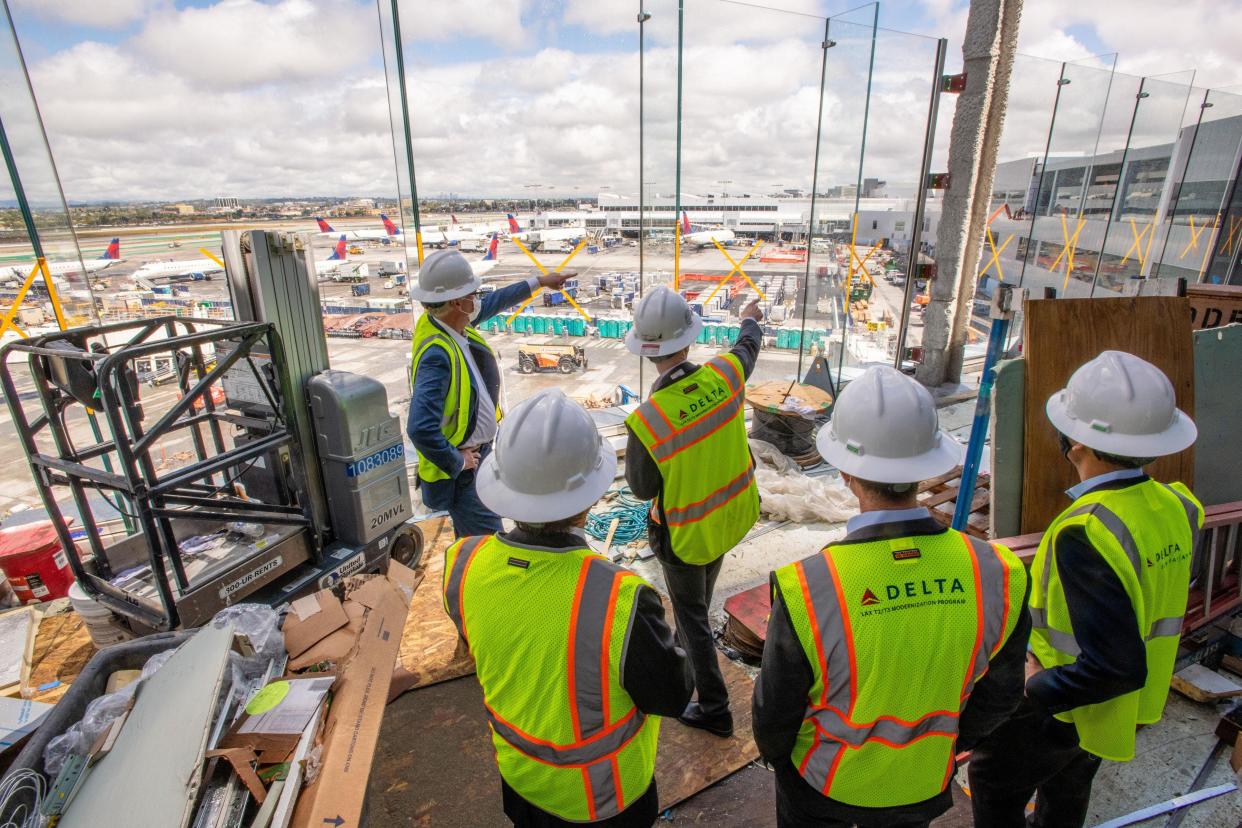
[{"x": 720, "y": 725}]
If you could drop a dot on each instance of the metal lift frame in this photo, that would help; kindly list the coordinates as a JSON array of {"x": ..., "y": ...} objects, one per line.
[{"x": 156, "y": 498}]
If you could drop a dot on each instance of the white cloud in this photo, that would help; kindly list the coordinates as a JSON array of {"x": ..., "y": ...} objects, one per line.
[
  {"x": 99, "y": 13},
  {"x": 238, "y": 43},
  {"x": 286, "y": 97}
]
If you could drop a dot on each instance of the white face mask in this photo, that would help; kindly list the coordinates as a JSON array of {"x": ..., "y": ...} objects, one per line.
[{"x": 473, "y": 307}]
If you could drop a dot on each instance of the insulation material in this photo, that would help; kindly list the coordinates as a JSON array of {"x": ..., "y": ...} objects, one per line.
[{"x": 785, "y": 493}]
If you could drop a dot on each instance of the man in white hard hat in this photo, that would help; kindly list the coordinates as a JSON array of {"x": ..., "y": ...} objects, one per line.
[
  {"x": 1110, "y": 583},
  {"x": 894, "y": 648},
  {"x": 575, "y": 659},
  {"x": 455, "y": 398},
  {"x": 688, "y": 453}
]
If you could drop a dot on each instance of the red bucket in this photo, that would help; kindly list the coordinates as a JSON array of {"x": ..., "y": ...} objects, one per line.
[{"x": 34, "y": 563}]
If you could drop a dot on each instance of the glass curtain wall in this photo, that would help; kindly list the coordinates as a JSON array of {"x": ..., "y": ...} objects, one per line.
[
  {"x": 31, "y": 196},
  {"x": 1138, "y": 193},
  {"x": 524, "y": 139},
  {"x": 1211, "y": 149}
]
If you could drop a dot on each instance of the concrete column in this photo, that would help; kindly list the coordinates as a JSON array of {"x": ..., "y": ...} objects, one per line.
[{"x": 988, "y": 52}]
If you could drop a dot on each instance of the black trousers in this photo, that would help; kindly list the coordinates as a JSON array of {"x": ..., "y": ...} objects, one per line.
[
  {"x": 641, "y": 813},
  {"x": 1031, "y": 753},
  {"x": 690, "y": 588}
]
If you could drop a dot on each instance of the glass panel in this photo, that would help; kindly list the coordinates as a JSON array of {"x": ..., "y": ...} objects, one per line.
[
  {"x": 906, "y": 75},
  {"x": 832, "y": 302},
  {"x": 750, "y": 100},
  {"x": 30, "y": 169},
  {"x": 1015, "y": 186},
  {"x": 1141, "y": 190},
  {"x": 533, "y": 115},
  {"x": 1211, "y": 149},
  {"x": 1073, "y": 182}
]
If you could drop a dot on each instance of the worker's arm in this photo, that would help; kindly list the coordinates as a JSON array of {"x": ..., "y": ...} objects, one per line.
[
  {"x": 746, "y": 349},
  {"x": 654, "y": 670},
  {"x": 501, "y": 299},
  {"x": 431, "y": 388},
  {"x": 785, "y": 679},
  {"x": 641, "y": 472},
  {"x": 999, "y": 692},
  {"x": 1113, "y": 660}
]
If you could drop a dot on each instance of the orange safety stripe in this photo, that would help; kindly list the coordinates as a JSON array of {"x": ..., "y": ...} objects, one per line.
[
  {"x": 573, "y": 636},
  {"x": 541, "y": 750},
  {"x": 815, "y": 635},
  {"x": 968, "y": 684},
  {"x": 694, "y": 512}
]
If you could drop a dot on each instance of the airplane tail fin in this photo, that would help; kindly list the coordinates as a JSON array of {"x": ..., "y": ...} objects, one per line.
[
  {"x": 514, "y": 227},
  {"x": 454, "y": 218},
  {"x": 685, "y": 222},
  {"x": 339, "y": 253},
  {"x": 390, "y": 228},
  {"x": 324, "y": 227},
  {"x": 113, "y": 251},
  {"x": 491, "y": 249}
]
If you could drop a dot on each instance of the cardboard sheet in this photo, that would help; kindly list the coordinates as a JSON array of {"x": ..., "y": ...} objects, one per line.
[
  {"x": 310, "y": 619},
  {"x": 357, "y": 708}
]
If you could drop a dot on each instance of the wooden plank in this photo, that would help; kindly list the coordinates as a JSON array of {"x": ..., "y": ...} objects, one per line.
[
  {"x": 429, "y": 648},
  {"x": 1062, "y": 334},
  {"x": 62, "y": 649}
]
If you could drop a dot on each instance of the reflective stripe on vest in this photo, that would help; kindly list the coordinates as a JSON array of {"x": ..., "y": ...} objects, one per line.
[
  {"x": 709, "y": 497},
  {"x": 453, "y": 581},
  {"x": 835, "y": 661},
  {"x": 597, "y": 743}
]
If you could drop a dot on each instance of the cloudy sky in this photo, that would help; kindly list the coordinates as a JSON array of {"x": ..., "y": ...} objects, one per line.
[{"x": 155, "y": 99}]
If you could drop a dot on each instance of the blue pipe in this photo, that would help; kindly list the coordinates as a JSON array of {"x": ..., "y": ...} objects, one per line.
[{"x": 979, "y": 429}]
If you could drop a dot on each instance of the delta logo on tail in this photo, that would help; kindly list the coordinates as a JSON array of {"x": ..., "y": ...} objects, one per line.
[
  {"x": 114, "y": 250},
  {"x": 491, "y": 249},
  {"x": 390, "y": 228},
  {"x": 514, "y": 227},
  {"x": 869, "y": 598},
  {"x": 339, "y": 253},
  {"x": 685, "y": 222},
  {"x": 324, "y": 227},
  {"x": 454, "y": 218}
]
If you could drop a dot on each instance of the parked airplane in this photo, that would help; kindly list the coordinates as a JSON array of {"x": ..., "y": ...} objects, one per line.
[
  {"x": 386, "y": 234},
  {"x": 110, "y": 256},
  {"x": 703, "y": 236},
  {"x": 544, "y": 237},
  {"x": 483, "y": 266},
  {"x": 333, "y": 262}
]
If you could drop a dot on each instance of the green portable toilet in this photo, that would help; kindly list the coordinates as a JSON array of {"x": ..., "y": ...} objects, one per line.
[{"x": 578, "y": 327}]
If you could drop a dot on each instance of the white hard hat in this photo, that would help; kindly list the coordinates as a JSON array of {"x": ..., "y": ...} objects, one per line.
[
  {"x": 1120, "y": 404},
  {"x": 663, "y": 324},
  {"x": 444, "y": 275},
  {"x": 885, "y": 429},
  {"x": 549, "y": 462}
]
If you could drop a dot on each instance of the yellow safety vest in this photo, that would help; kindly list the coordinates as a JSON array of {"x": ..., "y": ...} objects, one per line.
[
  {"x": 897, "y": 632},
  {"x": 1146, "y": 533},
  {"x": 695, "y": 430},
  {"x": 456, "y": 418},
  {"x": 548, "y": 631}
]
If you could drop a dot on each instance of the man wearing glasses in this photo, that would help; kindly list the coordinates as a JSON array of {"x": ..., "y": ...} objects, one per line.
[{"x": 455, "y": 381}]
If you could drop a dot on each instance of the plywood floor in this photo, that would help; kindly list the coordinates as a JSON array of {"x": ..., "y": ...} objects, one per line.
[{"x": 435, "y": 765}]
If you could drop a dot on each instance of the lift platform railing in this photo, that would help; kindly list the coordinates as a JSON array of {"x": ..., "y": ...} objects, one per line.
[{"x": 95, "y": 367}]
